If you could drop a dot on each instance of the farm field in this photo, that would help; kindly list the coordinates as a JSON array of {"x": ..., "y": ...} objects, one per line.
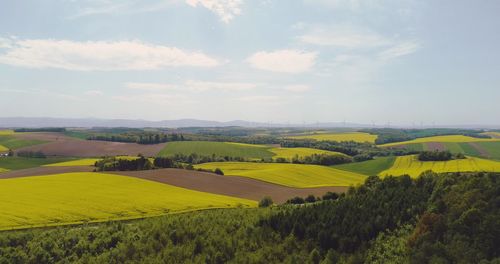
[
  {"x": 207, "y": 148},
  {"x": 369, "y": 167},
  {"x": 492, "y": 134},
  {"x": 235, "y": 186},
  {"x": 289, "y": 153},
  {"x": 412, "y": 166},
  {"x": 92, "y": 197},
  {"x": 442, "y": 139},
  {"x": 79, "y": 162},
  {"x": 287, "y": 174},
  {"x": 61, "y": 145},
  {"x": 483, "y": 149},
  {"x": 347, "y": 136},
  {"x": 3, "y": 170},
  {"x": 10, "y": 141},
  {"x": 18, "y": 163}
]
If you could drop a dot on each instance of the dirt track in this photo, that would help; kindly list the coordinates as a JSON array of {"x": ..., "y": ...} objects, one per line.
[
  {"x": 227, "y": 185},
  {"x": 43, "y": 171},
  {"x": 61, "y": 145}
]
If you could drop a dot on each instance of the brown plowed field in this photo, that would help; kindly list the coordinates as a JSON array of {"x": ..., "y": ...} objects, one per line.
[
  {"x": 436, "y": 146},
  {"x": 227, "y": 185},
  {"x": 61, "y": 145},
  {"x": 44, "y": 171}
]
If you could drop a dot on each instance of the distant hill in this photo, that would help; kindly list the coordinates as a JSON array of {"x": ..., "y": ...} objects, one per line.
[{"x": 32, "y": 122}]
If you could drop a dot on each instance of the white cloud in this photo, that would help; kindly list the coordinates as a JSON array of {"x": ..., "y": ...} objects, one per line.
[
  {"x": 297, "y": 88},
  {"x": 149, "y": 86},
  {"x": 287, "y": 61},
  {"x": 89, "y": 8},
  {"x": 400, "y": 49},
  {"x": 221, "y": 86},
  {"x": 345, "y": 36},
  {"x": 100, "y": 55},
  {"x": 225, "y": 9},
  {"x": 150, "y": 98},
  {"x": 259, "y": 98},
  {"x": 93, "y": 93},
  {"x": 193, "y": 86}
]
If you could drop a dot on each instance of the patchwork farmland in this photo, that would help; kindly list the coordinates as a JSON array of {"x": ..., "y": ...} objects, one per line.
[
  {"x": 52, "y": 181},
  {"x": 410, "y": 165}
]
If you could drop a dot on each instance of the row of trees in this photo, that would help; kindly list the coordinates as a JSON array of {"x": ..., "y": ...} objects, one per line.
[
  {"x": 41, "y": 129},
  {"x": 318, "y": 159},
  {"x": 437, "y": 155},
  {"x": 140, "y": 138}
]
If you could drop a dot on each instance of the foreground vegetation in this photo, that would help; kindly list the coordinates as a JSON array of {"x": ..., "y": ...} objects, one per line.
[
  {"x": 449, "y": 218},
  {"x": 88, "y": 197}
]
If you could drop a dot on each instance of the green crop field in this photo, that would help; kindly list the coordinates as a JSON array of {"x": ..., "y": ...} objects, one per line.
[
  {"x": 444, "y": 139},
  {"x": 412, "y": 166},
  {"x": 289, "y": 153},
  {"x": 292, "y": 175},
  {"x": 9, "y": 141},
  {"x": 93, "y": 197},
  {"x": 18, "y": 163},
  {"x": 369, "y": 167},
  {"x": 347, "y": 136},
  {"x": 492, "y": 149},
  {"x": 3, "y": 170},
  {"x": 206, "y": 148},
  {"x": 79, "y": 162}
]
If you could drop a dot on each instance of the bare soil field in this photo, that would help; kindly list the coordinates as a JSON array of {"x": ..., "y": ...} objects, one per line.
[
  {"x": 233, "y": 186},
  {"x": 62, "y": 145},
  {"x": 44, "y": 171},
  {"x": 436, "y": 146}
]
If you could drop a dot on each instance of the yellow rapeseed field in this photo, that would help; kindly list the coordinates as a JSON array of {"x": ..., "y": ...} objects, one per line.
[
  {"x": 2, "y": 148},
  {"x": 6, "y": 132},
  {"x": 93, "y": 197},
  {"x": 450, "y": 138},
  {"x": 80, "y": 162},
  {"x": 289, "y": 153},
  {"x": 293, "y": 175},
  {"x": 348, "y": 136},
  {"x": 3, "y": 170},
  {"x": 412, "y": 166}
]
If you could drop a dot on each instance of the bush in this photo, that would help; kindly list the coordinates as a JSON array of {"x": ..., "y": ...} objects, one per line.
[
  {"x": 296, "y": 200},
  {"x": 435, "y": 155},
  {"x": 218, "y": 171},
  {"x": 310, "y": 199},
  {"x": 330, "y": 196},
  {"x": 266, "y": 202}
]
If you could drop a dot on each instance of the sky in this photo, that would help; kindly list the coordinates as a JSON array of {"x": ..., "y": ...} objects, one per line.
[{"x": 401, "y": 62}]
